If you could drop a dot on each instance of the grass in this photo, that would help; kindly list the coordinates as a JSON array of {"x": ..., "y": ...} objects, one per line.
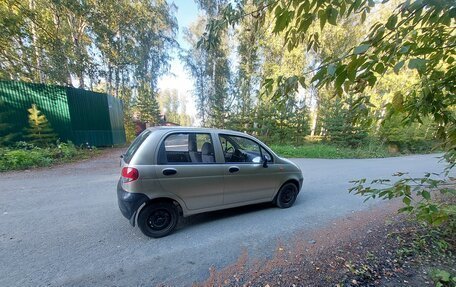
[{"x": 322, "y": 150}]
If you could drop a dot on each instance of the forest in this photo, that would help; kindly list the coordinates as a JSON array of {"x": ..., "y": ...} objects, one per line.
[
  {"x": 233, "y": 76},
  {"x": 274, "y": 69}
]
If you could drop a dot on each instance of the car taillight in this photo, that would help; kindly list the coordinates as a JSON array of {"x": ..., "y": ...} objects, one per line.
[{"x": 130, "y": 174}]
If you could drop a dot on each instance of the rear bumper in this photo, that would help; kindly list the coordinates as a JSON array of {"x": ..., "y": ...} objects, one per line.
[{"x": 129, "y": 202}]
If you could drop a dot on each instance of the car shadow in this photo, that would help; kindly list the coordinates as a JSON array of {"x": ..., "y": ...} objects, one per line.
[
  {"x": 186, "y": 223},
  {"x": 202, "y": 218}
]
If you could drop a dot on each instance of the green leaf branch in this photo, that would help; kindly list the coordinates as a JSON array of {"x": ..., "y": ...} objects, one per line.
[{"x": 420, "y": 195}]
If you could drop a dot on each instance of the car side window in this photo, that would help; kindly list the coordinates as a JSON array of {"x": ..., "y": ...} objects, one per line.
[
  {"x": 201, "y": 139},
  {"x": 187, "y": 148},
  {"x": 226, "y": 145},
  {"x": 266, "y": 154},
  {"x": 237, "y": 149}
]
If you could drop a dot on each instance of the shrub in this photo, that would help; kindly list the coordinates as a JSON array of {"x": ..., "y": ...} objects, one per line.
[
  {"x": 65, "y": 150},
  {"x": 442, "y": 278},
  {"x": 24, "y": 145},
  {"x": 408, "y": 137},
  {"x": 22, "y": 159},
  {"x": 25, "y": 155},
  {"x": 422, "y": 196}
]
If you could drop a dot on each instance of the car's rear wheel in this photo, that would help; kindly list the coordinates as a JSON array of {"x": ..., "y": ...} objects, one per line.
[
  {"x": 286, "y": 195},
  {"x": 158, "y": 219}
]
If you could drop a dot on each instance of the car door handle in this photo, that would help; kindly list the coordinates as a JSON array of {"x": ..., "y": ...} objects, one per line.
[
  {"x": 169, "y": 171},
  {"x": 233, "y": 169}
]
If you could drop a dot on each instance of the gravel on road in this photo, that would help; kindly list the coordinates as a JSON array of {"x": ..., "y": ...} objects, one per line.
[{"x": 61, "y": 226}]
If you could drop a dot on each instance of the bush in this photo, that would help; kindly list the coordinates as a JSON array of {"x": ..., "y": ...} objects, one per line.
[
  {"x": 417, "y": 146},
  {"x": 65, "y": 150},
  {"x": 442, "y": 278},
  {"x": 24, "y": 145},
  {"x": 408, "y": 137},
  {"x": 431, "y": 198},
  {"x": 25, "y": 155},
  {"x": 22, "y": 159}
]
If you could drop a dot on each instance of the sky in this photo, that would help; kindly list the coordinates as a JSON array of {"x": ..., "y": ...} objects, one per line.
[{"x": 178, "y": 78}]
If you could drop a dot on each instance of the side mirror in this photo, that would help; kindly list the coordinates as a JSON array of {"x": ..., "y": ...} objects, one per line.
[{"x": 265, "y": 161}]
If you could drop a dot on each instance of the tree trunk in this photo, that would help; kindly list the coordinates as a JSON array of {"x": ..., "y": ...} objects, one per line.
[
  {"x": 117, "y": 81},
  {"x": 35, "y": 44},
  {"x": 315, "y": 113},
  {"x": 109, "y": 80},
  {"x": 78, "y": 26}
]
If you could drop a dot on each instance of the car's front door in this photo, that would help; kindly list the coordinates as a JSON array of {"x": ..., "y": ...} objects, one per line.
[
  {"x": 246, "y": 179},
  {"x": 188, "y": 169}
]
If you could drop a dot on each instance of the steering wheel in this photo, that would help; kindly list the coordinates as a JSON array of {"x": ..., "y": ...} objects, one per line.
[
  {"x": 229, "y": 150},
  {"x": 239, "y": 155}
]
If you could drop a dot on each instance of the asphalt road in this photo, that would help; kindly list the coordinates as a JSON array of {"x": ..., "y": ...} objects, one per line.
[{"x": 62, "y": 226}]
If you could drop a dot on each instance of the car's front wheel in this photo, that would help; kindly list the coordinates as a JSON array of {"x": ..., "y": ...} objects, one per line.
[
  {"x": 286, "y": 195},
  {"x": 158, "y": 219}
]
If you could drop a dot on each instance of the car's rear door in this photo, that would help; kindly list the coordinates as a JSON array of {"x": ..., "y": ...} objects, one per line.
[
  {"x": 197, "y": 179},
  {"x": 245, "y": 178}
]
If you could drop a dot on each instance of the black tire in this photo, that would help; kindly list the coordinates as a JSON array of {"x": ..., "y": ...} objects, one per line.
[
  {"x": 158, "y": 219},
  {"x": 286, "y": 195}
]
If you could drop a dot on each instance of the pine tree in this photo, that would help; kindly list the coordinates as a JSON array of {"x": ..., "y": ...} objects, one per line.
[
  {"x": 147, "y": 107},
  {"x": 301, "y": 123},
  {"x": 339, "y": 123},
  {"x": 7, "y": 129},
  {"x": 39, "y": 132}
]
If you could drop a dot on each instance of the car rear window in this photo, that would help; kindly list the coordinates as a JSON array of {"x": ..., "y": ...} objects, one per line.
[{"x": 135, "y": 145}]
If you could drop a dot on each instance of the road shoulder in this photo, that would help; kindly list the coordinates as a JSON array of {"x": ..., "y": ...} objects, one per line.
[{"x": 368, "y": 248}]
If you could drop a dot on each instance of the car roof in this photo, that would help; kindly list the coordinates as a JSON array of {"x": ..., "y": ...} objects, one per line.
[{"x": 195, "y": 129}]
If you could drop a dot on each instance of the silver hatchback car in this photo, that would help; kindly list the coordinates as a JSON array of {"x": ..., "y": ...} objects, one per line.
[{"x": 172, "y": 171}]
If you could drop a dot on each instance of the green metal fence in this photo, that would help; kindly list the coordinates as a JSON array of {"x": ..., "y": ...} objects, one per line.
[{"x": 75, "y": 114}]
